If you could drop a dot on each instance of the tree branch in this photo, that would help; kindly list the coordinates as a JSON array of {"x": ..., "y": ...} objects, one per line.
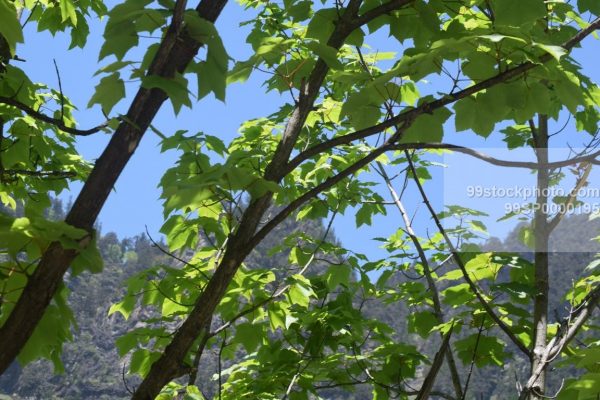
[
  {"x": 435, "y": 368},
  {"x": 591, "y": 158},
  {"x": 245, "y": 238},
  {"x": 241, "y": 242},
  {"x": 53, "y": 121},
  {"x": 41, "y": 174},
  {"x": 486, "y": 306},
  {"x": 435, "y": 296},
  {"x": 429, "y": 107},
  {"x": 571, "y": 198},
  {"x": 541, "y": 260},
  {"x": 566, "y": 332},
  {"x": 47, "y": 277}
]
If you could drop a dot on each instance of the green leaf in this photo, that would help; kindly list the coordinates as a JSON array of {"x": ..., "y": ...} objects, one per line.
[
  {"x": 527, "y": 237},
  {"x": 409, "y": 93},
  {"x": 126, "y": 343},
  {"x": 427, "y": 128},
  {"x": 249, "y": 335},
  {"x": 363, "y": 108},
  {"x": 480, "y": 66},
  {"x": 555, "y": 51},
  {"x": 51, "y": 332},
  {"x": 568, "y": 90},
  {"x": 215, "y": 144},
  {"x": 422, "y": 323},
  {"x": 176, "y": 88},
  {"x": 109, "y": 92},
  {"x": 121, "y": 32},
  {"x": 470, "y": 114},
  {"x": 212, "y": 73},
  {"x": 79, "y": 33},
  {"x": 337, "y": 275},
  {"x": 518, "y": 12},
  {"x": 67, "y": 11},
  {"x": 113, "y": 67},
  {"x": 363, "y": 215},
  {"x": 193, "y": 393},
  {"x": 299, "y": 257},
  {"x": 327, "y": 53},
  {"x": 300, "y": 291},
  {"x": 10, "y": 27},
  {"x": 277, "y": 315},
  {"x": 142, "y": 360},
  {"x": 593, "y": 266},
  {"x": 321, "y": 25},
  {"x": 589, "y": 5},
  {"x": 89, "y": 259},
  {"x": 586, "y": 387},
  {"x": 179, "y": 231},
  {"x": 484, "y": 350},
  {"x": 125, "y": 307},
  {"x": 170, "y": 308},
  {"x": 458, "y": 295}
]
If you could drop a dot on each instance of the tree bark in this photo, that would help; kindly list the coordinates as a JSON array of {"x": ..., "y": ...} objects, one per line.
[
  {"x": 169, "y": 365},
  {"x": 176, "y": 51},
  {"x": 541, "y": 236}
]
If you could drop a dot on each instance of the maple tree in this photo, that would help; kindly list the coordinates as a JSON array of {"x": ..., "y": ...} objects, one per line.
[{"x": 350, "y": 109}]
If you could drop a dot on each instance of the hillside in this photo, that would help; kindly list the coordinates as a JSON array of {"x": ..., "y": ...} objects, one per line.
[{"x": 95, "y": 371}]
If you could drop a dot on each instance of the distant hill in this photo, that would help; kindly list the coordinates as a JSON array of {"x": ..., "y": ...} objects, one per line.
[{"x": 95, "y": 371}]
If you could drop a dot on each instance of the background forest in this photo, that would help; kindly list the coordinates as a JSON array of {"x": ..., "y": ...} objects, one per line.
[{"x": 94, "y": 369}]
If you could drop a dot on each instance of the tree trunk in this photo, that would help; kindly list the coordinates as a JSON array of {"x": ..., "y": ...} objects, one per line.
[{"x": 541, "y": 236}]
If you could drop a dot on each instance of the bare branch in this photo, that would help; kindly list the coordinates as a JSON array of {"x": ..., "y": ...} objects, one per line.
[
  {"x": 195, "y": 364},
  {"x": 566, "y": 332},
  {"x": 591, "y": 158},
  {"x": 40, "y": 174},
  {"x": 472, "y": 364},
  {"x": 571, "y": 198},
  {"x": 435, "y": 296},
  {"x": 486, "y": 306},
  {"x": 241, "y": 242},
  {"x": 62, "y": 97}
]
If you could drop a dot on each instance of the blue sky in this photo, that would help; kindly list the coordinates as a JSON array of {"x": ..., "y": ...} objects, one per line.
[{"x": 135, "y": 204}]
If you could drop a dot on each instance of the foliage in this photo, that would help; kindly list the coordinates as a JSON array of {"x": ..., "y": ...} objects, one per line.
[{"x": 353, "y": 113}]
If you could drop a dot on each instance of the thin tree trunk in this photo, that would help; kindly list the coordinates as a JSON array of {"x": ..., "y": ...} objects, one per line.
[
  {"x": 541, "y": 236},
  {"x": 435, "y": 296}
]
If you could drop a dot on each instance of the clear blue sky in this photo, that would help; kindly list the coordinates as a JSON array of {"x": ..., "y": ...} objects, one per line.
[{"x": 135, "y": 202}]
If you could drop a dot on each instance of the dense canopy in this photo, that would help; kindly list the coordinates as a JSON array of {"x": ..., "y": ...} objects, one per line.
[{"x": 370, "y": 91}]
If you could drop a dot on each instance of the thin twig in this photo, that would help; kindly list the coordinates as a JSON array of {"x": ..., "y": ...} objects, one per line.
[
  {"x": 429, "y": 107},
  {"x": 437, "y": 306},
  {"x": 506, "y": 329},
  {"x": 168, "y": 253},
  {"x": 582, "y": 180},
  {"x": 62, "y": 97},
  {"x": 53, "y": 121},
  {"x": 464, "y": 394},
  {"x": 197, "y": 357}
]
